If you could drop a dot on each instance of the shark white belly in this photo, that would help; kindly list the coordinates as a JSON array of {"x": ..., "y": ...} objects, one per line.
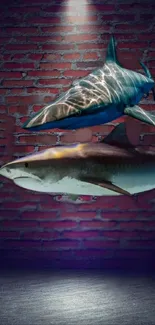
[{"x": 131, "y": 183}]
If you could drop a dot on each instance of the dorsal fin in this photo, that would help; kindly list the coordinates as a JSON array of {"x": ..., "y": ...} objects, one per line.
[
  {"x": 111, "y": 51},
  {"x": 111, "y": 55},
  {"x": 118, "y": 137}
]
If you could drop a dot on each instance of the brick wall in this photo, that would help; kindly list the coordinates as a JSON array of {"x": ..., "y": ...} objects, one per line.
[{"x": 44, "y": 45}]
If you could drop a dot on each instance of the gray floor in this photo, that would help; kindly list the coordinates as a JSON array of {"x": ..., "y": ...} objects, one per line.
[{"x": 67, "y": 297}]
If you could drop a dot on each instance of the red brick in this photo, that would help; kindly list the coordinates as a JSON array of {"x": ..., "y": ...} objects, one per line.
[
  {"x": 22, "y": 30},
  {"x": 132, "y": 225},
  {"x": 58, "y": 244},
  {"x": 20, "y": 224},
  {"x": 18, "y": 83},
  {"x": 80, "y": 234},
  {"x": 18, "y": 57},
  {"x": 22, "y": 100},
  {"x": 120, "y": 215},
  {"x": 75, "y": 73},
  {"x": 47, "y": 206},
  {"x": 133, "y": 45},
  {"x": 18, "y": 109},
  {"x": 90, "y": 56},
  {"x": 14, "y": 75},
  {"x": 16, "y": 91},
  {"x": 39, "y": 73},
  {"x": 146, "y": 234},
  {"x": 35, "y": 57},
  {"x": 42, "y": 254},
  {"x": 22, "y": 66},
  {"x": 82, "y": 135},
  {"x": 101, "y": 7},
  {"x": 39, "y": 215},
  {"x": 52, "y": 57},
  {"x": 92, "y": 46},
  {"x": 134, "y": 6},
  {"x": 36, "y": 108},
  {"x": 141, "y": 244},
  {"x": 118, "y": 17},
  {"x": 78, "y": 215},
  {"x": 97, "y": 224},
  {"x": 23, "y": 149},
  {"x": 80, "y": 37},
  {"x": 52, "y": 66},
  {"x": 8, "y": 214},
  {"x": 3, "y": 91},
  {"x": 136, "y": 254},
  {"x": 48, "y": 81},
  {"x": 101, "y": 244},
  {"x": 44, "y": 39},
  {"x": 40, "y": 235},
  {"x": 58, "y": 47},
  {"x": 21, "y": 47},
  {"x": 58, "y": 224},
  {"x": 43, "y": 139},
  {"x": 44, "y": 20},
  {"x": 125, "y": 204},
  {"x": 146, "y": 36},
  {"x": 92, "y": 254},
  {"x": 120, "y": 234},
  {"x": 125, "y": 37},
  {"x": 22, "y": 244},
  {"x": 54, "y": 81},
  {"x": 4, "y": 40},
  {"x": 9, "y": 234},
  {"x": 6, "y": 57},
  {"x": 25, "y": 9},
  {"x": 92, "y": 28},
  {"x": 81, "y": 19},
  {"x": 127, "y": 28},
  {"x": 57, "y": 29},
  {"x": 147, "y": 16},
  {"x": 43, "y": 90},
  {"x": 18, "y": 205},
  {"x": 71, "y": 56},
  {"x": 89, "y": 65}
]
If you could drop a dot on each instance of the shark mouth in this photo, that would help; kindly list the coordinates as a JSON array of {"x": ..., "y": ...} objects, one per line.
[{"x": 28, "y": 183}]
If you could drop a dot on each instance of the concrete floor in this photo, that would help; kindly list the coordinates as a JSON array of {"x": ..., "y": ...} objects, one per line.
[{"x": 68, "y": 298}]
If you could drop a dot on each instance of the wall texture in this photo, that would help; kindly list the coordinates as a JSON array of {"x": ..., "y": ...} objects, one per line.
[{"x": 44, "y": 45}]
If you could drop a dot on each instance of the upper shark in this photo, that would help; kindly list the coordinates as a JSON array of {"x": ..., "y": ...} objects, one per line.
[{"x": 100, "y": 97}]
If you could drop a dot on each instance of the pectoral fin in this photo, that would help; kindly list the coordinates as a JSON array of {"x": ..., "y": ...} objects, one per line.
[
  {"x": 139, "y": 114},
  {"x": 106, "y": 184}
]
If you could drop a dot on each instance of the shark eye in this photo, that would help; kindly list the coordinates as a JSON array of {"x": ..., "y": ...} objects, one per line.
[{"x": 26, "y": 165}]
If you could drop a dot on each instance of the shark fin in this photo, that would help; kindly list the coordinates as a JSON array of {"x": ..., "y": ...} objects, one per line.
[
  {"x": 106, "y": 184},
  {"x": 111, "y": 55},
  {"x": 139, "y": 114},
  {"x": 118, "y": 137}
]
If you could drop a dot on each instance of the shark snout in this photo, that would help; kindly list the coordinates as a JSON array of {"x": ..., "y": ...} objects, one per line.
[{"x": 6, "y": 172}]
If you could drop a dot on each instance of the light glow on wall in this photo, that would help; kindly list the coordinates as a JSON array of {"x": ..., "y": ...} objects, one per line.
[{"x": 76, "y": 11}]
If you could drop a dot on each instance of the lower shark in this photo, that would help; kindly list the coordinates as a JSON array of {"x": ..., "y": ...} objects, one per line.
[
  {"x": 102, "y": 96},
  {"x": 112, "y": 167}
]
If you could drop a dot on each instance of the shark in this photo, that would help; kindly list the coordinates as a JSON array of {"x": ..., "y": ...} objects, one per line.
[
  {"x": 110, "y": 167},
  {"x": 102, "y": 96}
]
